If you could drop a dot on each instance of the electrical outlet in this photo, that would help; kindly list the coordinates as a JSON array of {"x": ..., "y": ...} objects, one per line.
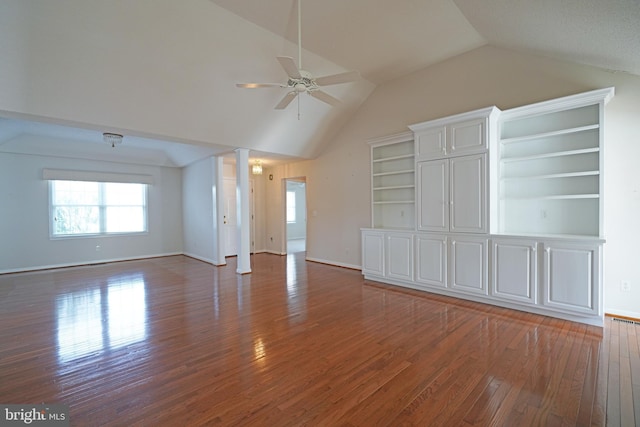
[{"x": 625, "y": 286}]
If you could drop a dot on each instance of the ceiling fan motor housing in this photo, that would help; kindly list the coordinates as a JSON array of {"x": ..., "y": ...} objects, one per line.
[{"x": 304, "y": 84}]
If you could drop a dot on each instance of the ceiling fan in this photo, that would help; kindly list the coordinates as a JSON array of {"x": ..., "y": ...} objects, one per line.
[{"x": 302, "y": 81}]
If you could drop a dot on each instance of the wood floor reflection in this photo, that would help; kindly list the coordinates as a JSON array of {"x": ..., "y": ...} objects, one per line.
[{"x": 175, "y": 341}]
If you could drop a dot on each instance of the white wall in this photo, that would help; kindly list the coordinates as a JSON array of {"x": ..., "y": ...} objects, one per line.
[
  {"x": 198, "y": 181},
  {"x": 24, "y": 216},
  {"x": 338, "y": 182}
]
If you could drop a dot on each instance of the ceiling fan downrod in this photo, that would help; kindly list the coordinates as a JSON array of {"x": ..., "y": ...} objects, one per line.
[{"x": 299, "y": 36}]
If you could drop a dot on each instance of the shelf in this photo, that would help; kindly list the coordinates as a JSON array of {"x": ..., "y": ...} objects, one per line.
[
  {"x": 395, "y": 202},
  {"x": 549, "y": 134},
  {"x": 397, "y": 187},
  {"x": 387, "y": 159},
  {"x": 555, "y": 197},
  {"x": 550, "y": 155},
  {"x": 551, "y": 175},
  {"x": 393, "y": 172}
]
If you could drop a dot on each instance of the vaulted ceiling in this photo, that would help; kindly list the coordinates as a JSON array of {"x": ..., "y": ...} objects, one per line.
[{"x": 382, "y": 39}]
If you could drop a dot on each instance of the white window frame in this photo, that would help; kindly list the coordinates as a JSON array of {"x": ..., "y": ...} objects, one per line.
[{"x": 102, "y": 207}]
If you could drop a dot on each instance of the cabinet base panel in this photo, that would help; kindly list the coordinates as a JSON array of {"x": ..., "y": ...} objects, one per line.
[{"x": 588, "y": 320}]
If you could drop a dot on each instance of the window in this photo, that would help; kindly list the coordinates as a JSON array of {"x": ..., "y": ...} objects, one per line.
[
  {"x": 87, "y": 208},
  {"x": 291, "y": 206}
]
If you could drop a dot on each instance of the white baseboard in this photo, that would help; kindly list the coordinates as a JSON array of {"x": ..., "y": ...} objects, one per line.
[
  {"x": 623, "y": 313},
  {"x": 337, "y": 264},
  {"x": 84, "y": 263},
  {"x": 274, "y": 252},
  {"x": 203, "y": 259}
]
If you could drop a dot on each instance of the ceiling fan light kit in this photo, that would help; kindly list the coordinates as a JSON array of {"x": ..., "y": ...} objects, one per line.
[{"x": 302, "y": 81}]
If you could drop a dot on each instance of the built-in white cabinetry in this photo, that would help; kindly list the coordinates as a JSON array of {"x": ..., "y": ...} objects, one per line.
[
  {"x": 373, "y": 253},
  {"x": 451, "y": 182},
  {"x": 433, "y": 195},
  {"x": 571, "y": 277},
  {"x": 496, "y": 207},
  {"x": 451, "y": 194},
  {"x": 387, "y": 254},
  {"x": 393, "y": 182},
  {"x": 399, "y": 255},
  {"x": 431, "y": 259},
  {"x": 515, "y": 269},
  {"x": 457, "y": 135},
  {"x": 549, "y": 167},
  {"x": 469, "y": 265},
  {"x": 467, "y": 194}
]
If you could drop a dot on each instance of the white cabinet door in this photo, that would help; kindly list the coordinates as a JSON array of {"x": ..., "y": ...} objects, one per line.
[
  {"x": 373, "y": 253},
  {"x": 433, "y": 195},
  {"x": 431, "y": 143},
  {"x": 468, "y": 191},
  {"x": 451, "y": 139},
  {"x": 514, "y": 273},
  {"x": 572, "y": 277},
  {"x": 467, "y": 137},
  {"x": 468, "y": 257},
  {"x": 431, "y": 259},
  {"x": 400, "y": 256}
]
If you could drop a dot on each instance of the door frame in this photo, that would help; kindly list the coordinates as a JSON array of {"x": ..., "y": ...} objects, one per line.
[{"x": 285, "y": 240}]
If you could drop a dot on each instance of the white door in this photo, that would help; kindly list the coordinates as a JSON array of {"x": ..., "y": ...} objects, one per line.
[
  {"x": 515, "y": 268},
  {"x": 230, "y": 218},
  {"x": 400, "y": 256},
  {"x": 571, "y": 277},
  {"x": 433, "y": 197},
  {"x": 431, "y": 257},
  {"x": 467, "y": 137},
  {"x": 468, "y": 194},
  {"x": 468, "y": 256},
  {"x": 373, "y": 253},
  {"x": 431, "y": 143}
]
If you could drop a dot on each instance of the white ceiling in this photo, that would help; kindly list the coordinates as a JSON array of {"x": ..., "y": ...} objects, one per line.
[{"x": 384, "y": 40}]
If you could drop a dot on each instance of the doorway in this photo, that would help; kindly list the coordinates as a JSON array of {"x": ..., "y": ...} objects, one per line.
[{"x": 296, "y": 214}]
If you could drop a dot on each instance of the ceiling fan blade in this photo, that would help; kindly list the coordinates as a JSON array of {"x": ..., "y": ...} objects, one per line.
[
  {"x": 258, "y": 85},
  {"x": 334, "y": 79},
  {"x": 325, "y": 97},
  {"x": 289, "y": 66},
  {"x": 286, "y": 101}
]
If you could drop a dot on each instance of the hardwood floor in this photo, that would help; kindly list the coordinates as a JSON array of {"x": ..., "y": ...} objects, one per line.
[{"x": 175, "y": 341}]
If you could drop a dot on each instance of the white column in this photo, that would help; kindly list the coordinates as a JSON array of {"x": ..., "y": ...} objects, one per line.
[
  {"x": 218, "y": 211},
  {"x": 243, "y": 211}
]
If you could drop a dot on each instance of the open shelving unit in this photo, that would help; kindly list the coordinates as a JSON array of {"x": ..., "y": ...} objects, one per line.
[
  {"x": 393, "y": 182},
  {"x": 549, "y": 160}
]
